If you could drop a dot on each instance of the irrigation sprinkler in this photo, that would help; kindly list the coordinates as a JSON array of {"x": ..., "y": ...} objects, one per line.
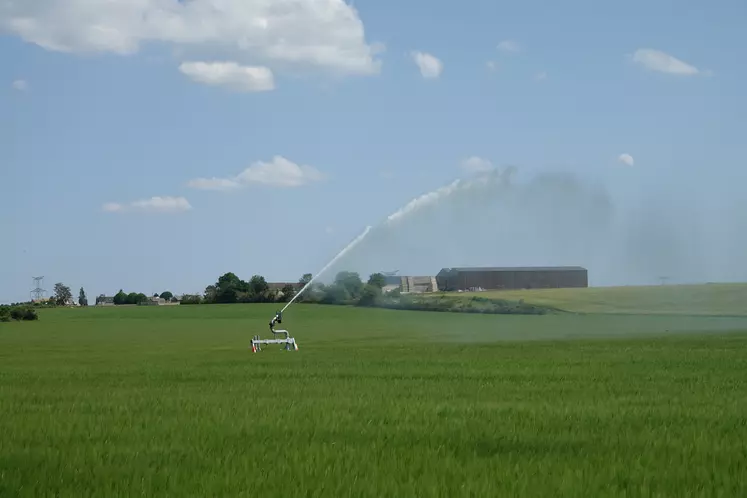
[{"x": 290, "y": 342}]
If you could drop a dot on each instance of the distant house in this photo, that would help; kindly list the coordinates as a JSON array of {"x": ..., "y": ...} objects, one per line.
[
  {"x": 276, "y": 286},
  {"x": 158, "y": 301},
  {"x": 103, "y": 300}
]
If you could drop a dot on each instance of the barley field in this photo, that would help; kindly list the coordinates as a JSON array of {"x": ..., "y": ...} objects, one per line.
[{"x": 150, "y": 401}]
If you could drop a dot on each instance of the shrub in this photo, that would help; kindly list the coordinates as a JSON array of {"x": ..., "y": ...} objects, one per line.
[
  {"x": 18, "y": 313},
  {"x": 191, "y": 299},
  {"x": 460, "y": 305},
  {"x": 370, "y": 296},
  {"x": 335, "y": 294}
]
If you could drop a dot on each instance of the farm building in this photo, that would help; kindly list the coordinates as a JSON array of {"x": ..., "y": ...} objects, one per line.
[
  {"x": 407, "y": 284},
  {"x": 277, "y": 286},
  {"x": 537, "y": 277},
  {"x": 103, "y": 300}
]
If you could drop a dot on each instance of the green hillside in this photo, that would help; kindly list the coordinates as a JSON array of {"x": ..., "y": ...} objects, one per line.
[{"x": 705, "y": 299}]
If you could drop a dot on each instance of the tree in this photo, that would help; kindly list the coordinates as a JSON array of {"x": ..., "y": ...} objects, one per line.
[
  {"x": 377, "y": 280},
  {"x": 120, "y": 297},
  {"x": 211, "y": 293},
  {"x": 227, "y": 295},
  {"x": 135, "y": 298},
  {"x": 335, "y": 294},
  {"x": 307, "y": 277},
  {"x": 229, "y": 281},
  {"x": 191, "y": 299},
  {"x": 351, "y": 282},
  {"x": 167, "y": 295},
  {"x": 82, "y": 299},
  {"x": 62, "y": 294},
  {"x": 228, "y": 288},
  {"x": 288, "y": 292},
  {"x": 258, "y": 286},
  {"x": 370, "y": 295}
]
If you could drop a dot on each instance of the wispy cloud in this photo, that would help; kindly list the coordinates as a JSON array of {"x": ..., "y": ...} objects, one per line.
[
  {"x": 656, "y": 60},
  {"x": 230, "y": 75},
  {"x": 279, "y": 172},
  {"x": 509, "y": 47},
  {"x": 626, "y": 159},
  {"x": 476, "y": 164},
  {"x": 152, "y": 205},
  {"x": 20, "y": 85},
  {"x": 429, "y": 65}
]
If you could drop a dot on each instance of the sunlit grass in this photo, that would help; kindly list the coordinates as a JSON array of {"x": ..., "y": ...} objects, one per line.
[{"x": 170, "y": 401}]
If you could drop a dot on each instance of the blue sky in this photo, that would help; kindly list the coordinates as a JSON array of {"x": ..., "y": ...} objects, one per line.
[{"x": 316, "y": 119}]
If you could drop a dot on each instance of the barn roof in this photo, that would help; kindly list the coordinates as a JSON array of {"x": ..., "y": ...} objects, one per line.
[{"x": 473, "y": 269}]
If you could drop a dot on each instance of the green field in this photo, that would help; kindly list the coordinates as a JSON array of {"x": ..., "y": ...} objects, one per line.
[
  {"x": 694, "y": 300},
  {"x": 156, "y": 401}
]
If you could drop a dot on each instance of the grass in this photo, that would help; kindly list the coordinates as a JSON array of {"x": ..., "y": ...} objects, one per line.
[
  {"x": 693, "y": 300},
  {"x": 169, "y": 401}
]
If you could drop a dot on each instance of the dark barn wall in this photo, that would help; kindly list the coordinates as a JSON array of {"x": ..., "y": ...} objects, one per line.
[{"x": 507, "y": 278}]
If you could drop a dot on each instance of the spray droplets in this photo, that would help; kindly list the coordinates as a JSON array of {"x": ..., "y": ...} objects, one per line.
[{"x": 347, "y": 248}]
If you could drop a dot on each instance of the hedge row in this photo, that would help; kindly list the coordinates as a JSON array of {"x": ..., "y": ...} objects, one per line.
[{"x": 18, "y": 313}]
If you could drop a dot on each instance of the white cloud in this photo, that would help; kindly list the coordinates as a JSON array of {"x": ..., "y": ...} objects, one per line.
[
  {"x": 626, "y": 159},
  {"x": 509, "y": 46},
  {"x": 430, "y": 66},
  {"x": 113, "y": 207},
  {"x": 280, "y": 172},
  {"x": 542, "y": 75},
  {"x": 20, "y": 85},
  {"x": 214, "y": 183},
  {"x": 657, "y": 60},
  {"x": 230, "y": 75},
  {"x": 152, "y": 205},
  {"x": 325, "y": 34},
  {"x": 476, "y": 164},
  {"x": 492, "y": 66}
]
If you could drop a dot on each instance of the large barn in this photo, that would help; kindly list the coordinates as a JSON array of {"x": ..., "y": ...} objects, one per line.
[{"x": 532, "y": 277}]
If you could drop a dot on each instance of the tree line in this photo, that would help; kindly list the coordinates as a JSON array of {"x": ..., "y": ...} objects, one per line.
[
  {"x": 123, "y": 297},
  {"x": 347, "y": 288}
]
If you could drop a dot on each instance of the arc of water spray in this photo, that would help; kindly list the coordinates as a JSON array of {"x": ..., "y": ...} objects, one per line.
[
  {"x": 411, "y": 207},
  {"x": 347, "y": 248}
]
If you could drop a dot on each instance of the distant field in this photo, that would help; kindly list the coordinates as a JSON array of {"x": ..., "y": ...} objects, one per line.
[
  {"x": 707, "y": 299},
  {"x": 153, "y": 401}
]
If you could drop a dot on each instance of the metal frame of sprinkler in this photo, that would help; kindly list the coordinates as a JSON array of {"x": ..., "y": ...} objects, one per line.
[{"x": 289, "y": 342}]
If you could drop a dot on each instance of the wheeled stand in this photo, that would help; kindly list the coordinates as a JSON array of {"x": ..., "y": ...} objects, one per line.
[{"x": 290, "y": 342}]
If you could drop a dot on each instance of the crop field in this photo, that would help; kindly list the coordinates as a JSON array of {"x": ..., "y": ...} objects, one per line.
[
  {"x": 693, "y": 300},
  {"x": 157, "y": 401}
]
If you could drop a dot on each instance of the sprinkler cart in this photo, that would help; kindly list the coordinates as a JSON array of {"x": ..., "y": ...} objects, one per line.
[{"x": 290, "y": 342}]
